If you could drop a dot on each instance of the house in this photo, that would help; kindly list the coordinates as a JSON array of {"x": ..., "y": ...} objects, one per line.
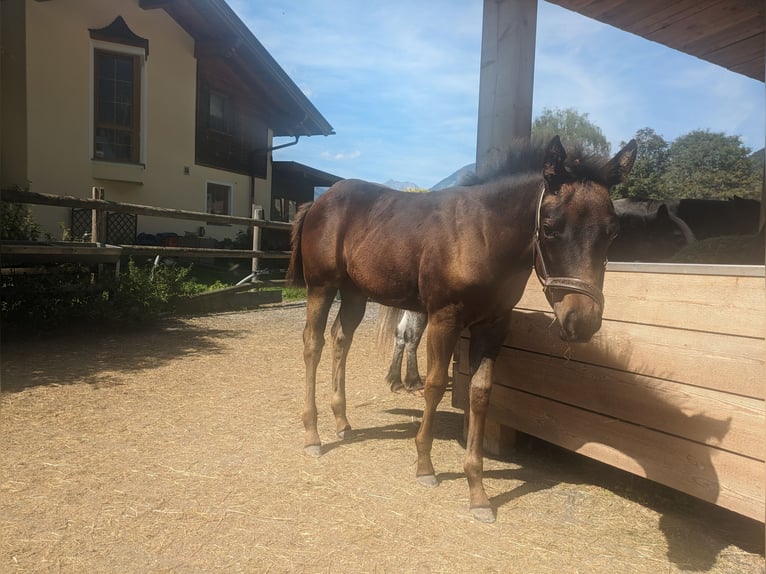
[{"x": 168, "y": 103}]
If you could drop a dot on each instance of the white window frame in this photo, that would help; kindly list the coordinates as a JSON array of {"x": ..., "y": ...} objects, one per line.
[{"x": 230, "y": 198}]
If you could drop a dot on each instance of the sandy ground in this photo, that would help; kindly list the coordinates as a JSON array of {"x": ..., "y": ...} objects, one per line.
[{"x": 179, "y": 449}]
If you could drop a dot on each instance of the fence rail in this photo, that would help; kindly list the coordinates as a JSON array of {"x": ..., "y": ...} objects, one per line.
[
  {"x": 22, "y": 196},
  {"x": 12, "y": 251}
]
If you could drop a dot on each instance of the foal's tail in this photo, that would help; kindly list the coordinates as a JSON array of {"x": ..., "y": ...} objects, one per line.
[
  {"x": 385, "y": 328},
  {"x": 295, "y": 276}
]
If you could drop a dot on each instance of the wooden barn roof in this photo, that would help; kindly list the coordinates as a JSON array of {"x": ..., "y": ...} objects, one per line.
[
  {"x": 219, "y": 33},
  {"x": 729, "y": 33}
]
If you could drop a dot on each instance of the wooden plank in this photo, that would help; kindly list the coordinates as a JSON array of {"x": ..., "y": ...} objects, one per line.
[
  {"x": 724, "y": 36},
  {"x": 702, "y": 23},
  {"x": 743, "y": 50},
  {"x": 724, "y": 420},
  {"x": 203, "y": 252},
  {"x": 59, "y": 252},
  {"x": 728, "y": 422},
  {"x": 733, "y": 305},
  {"x": 729, "y": 480},
  {"x": 728, "y": 363}
]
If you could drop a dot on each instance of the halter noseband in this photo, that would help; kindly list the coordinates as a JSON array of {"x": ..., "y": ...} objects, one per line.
[{"x": 565, "y": 283}]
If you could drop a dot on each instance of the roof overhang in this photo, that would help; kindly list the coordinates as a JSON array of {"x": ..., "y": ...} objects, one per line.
[
  {"x": 729, "y": 33},
  {"x": 219, "y": 34}
]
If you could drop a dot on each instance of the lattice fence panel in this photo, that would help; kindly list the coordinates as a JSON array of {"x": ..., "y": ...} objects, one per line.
[
  {"x": 120, "y": 227},
  {"x": 81, "y": 223}
]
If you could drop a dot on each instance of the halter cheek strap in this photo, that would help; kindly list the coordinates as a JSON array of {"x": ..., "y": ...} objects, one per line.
[{"x": 565, "y": 283}]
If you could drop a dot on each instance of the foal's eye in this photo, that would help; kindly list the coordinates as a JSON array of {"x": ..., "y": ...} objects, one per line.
[{"x": 549, "y": 232}]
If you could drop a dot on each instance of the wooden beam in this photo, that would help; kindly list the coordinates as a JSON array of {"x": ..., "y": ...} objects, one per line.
[{"x": 506, "y": 79}]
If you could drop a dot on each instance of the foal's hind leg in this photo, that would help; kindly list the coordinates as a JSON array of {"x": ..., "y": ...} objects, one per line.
[
  {"x": 416, "y": 324},
  {"x": 318, "y": 302},
  {"x": 351, "y": 312},
  {"x": 394, "y": 376},
  {"x": 442, "y": 336}
]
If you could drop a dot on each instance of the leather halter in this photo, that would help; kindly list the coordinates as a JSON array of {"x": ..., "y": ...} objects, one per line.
[{"x": 565, "y": 283}]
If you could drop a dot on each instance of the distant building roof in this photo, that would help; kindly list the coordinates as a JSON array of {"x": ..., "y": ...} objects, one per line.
[{"x": 219, "y": 33}]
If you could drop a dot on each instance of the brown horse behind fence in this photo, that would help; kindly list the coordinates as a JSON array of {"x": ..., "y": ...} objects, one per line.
[{"x": 463, "y": 256}]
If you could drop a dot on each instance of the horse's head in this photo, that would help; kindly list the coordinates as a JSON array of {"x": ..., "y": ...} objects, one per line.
[{"x": 575, "y": 224}]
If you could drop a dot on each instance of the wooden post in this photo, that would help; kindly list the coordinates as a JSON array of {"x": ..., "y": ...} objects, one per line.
[
  {"x": 763, "y": 224},
  {"x": 506, "y": 79},
  {"x": 259, "y": 215},
  {"x": 505, "y": 113},
  {"x": 98, "y": 220}
]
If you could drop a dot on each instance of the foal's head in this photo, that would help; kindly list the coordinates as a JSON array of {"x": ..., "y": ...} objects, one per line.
[{"x": 576, "y": 222}]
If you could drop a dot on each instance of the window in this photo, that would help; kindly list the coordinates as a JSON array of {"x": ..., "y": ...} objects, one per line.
[
  {"x": 217, "y": 112},
  {"x": 283, "y": 209},
  {"x": 117, "y": 106},
  {"x": 218, "y": 198}
]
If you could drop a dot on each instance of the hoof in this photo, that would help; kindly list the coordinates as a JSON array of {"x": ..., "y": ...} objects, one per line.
[
  {"x": 428, "y": 480},
  {"x": 345, "y": 433},
  {"x": 483, "y": 514},
  {"x": 396, "y": 386},
  {"x": 314, "y": 450},
  {"x": 416, "y": 387}
]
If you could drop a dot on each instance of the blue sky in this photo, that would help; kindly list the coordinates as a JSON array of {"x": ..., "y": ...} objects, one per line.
[{"x": 399, "y": 82}]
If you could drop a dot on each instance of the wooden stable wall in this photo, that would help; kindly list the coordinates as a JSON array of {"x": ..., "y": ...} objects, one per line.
[{"x": 671, "y": 388}]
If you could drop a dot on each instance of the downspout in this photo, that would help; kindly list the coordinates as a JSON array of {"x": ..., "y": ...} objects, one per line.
[
  {"x": 252, "y": 276},
  {"x": 252, "y": 160}
]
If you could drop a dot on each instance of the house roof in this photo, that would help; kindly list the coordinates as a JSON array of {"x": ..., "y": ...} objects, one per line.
[
  {"x": 219, "y": 33},
  {"x": 296, "y": 169},
  {"x": 729, "y": 33}
]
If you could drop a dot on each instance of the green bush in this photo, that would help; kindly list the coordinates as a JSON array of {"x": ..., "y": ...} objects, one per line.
[
  {"x": 16, "y": 222},
  {"x": 66, "y": 296}
]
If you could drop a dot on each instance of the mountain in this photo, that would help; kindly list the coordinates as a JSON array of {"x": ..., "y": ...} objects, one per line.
[
  {"x": 401, "y": 185},
  {"x": 456, "y": 178}
]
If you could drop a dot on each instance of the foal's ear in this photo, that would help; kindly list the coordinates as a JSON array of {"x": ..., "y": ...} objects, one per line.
[
  {"x": 553, "y": 165},
  {"x": 620, "y": 165}
]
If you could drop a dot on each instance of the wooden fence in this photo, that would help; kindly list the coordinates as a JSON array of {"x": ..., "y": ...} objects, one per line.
[
  {"x": 96, "y": 251},
  {"x": 671, "y": 388}
]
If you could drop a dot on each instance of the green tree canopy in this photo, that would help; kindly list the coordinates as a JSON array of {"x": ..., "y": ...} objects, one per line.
[
  {"x": 573, "y": 128},
  {"x": 710, "y": 165},
  {"x": 645, "y": 180}
]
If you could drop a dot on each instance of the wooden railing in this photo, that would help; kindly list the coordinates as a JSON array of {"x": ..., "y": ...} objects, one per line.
[{"x": 97, "y": 249}]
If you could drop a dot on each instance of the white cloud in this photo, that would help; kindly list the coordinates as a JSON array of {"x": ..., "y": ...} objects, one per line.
[{"x": 340, "y": 156}]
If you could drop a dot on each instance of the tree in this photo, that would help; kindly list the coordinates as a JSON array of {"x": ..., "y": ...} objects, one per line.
[
  {"x": 573, "y": 128},
  {"x": 710, "y": 165},
  {"x": 646, "y": 177}
]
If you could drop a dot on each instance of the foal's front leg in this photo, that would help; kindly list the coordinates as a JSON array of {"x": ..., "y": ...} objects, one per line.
[
  {"x": 480, "y": 387},
  {"x": 486, "y": 342},
  {"x": 349, "y": 316}
]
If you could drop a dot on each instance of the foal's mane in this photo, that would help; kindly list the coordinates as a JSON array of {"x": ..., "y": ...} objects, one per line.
[{"x": 526, "y": 157}]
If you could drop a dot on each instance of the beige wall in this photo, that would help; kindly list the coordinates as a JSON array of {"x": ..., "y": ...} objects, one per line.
[
  {"x": 13, "y": 160},
  {"x": 59, "y": 117}
]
